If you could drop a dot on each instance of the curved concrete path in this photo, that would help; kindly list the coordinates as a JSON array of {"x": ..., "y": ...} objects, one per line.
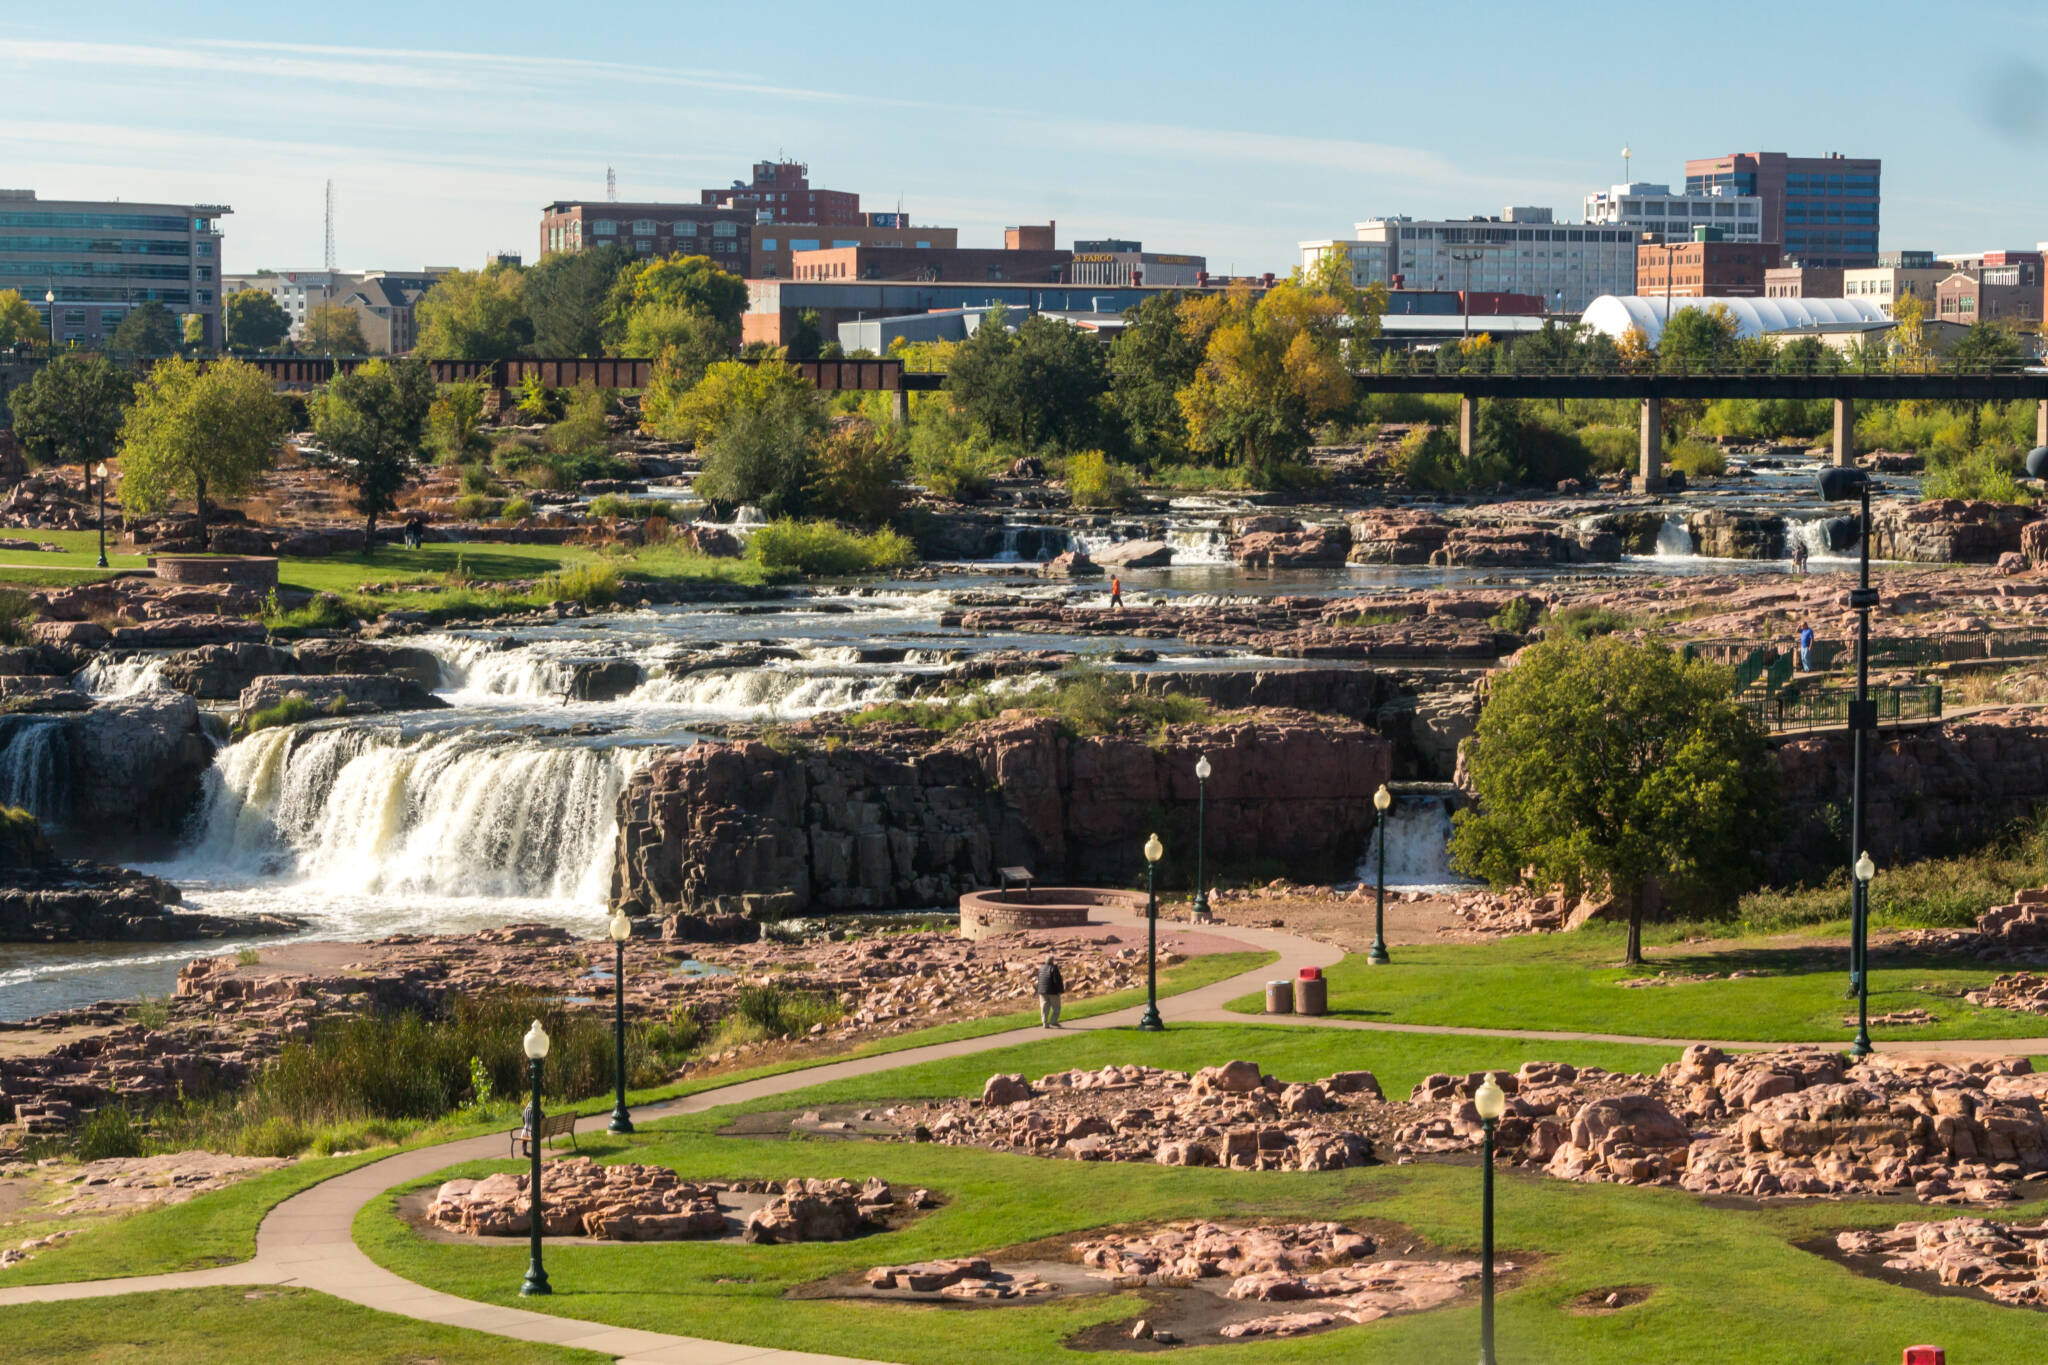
[{"x": 307, "y": 1240}]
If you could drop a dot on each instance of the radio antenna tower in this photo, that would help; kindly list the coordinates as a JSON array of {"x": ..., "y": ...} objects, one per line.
[
  {"x": 330, "y": 228},
  {"x": 611, "y": 185}
]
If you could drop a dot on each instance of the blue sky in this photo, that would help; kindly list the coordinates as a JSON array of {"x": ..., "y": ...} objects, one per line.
[{"x": 1234, "y": 131}]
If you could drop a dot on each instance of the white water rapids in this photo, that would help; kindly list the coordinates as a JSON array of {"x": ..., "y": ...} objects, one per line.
[{"x": 1418, "y": 847}]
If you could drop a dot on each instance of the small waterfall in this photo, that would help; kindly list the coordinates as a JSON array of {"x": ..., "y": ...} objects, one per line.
[
  {"x": 482, "y": 666},
  {"x": 1824, "y": 537},
  {"x": 1199, "y": 544},
  {"x": 1418, "y": 846},
  {"x": 365, "y": 809},
  {"x": 110, "y": 677},
  {"x": 755, "y": 693},
  {"x": 35, "y": 762},
  {"x": 1023, "y": 540},
  {"x": 1674, "y": 541}
]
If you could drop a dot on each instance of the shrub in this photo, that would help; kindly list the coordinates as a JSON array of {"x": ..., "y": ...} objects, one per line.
[
  {"x": 821, "y": 547},
  {"x": 619, "y": 505},
  {"x": 327, "y": 611},
  {"x": 476, "y": 507},
  {"x": 537, "y": 402},
  {"x": 476, "y": 478},
  {"x": 856, "y": 474},
  {"x": 15, "y": 613},
  {"x": 1696, "y": 458},
  {"x": 767, "y": 1012},
  {"x": 1585, "y": 622},
  {"x": 109, "y": 1131},
  {"x": 1611, "y": 449},
  {"x": 1095, "y": 480},
  {"x": 1517, "y": 616},
  {"x": 1988, "y": 471},
  {"x": 593, "y": 585},
  {"x": 583, "y": 429},
  {"x": 516, "y": 509},
  {"x": 291, "y": 711}
]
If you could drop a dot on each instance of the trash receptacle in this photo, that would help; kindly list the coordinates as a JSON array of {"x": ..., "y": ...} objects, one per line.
[
  {"x": 1311, "y": 994},
  {"x": 1279, "y": 997}
]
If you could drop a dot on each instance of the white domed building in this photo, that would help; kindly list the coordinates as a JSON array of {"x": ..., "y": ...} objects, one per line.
[{"x": 1615, "y": 314}]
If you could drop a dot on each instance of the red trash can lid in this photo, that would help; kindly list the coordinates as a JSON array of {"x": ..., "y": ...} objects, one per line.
[{"x": 1311, "y": 973}]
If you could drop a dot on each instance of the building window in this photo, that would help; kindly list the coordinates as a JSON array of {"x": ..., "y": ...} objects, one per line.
[
  {"x": 604, "y": 227},
  {"x": 723, "y": 229},
  {"x": 767, "y": 244},
  {"x": 643, "y": 227},
  {"x": 685, "y": 229}
]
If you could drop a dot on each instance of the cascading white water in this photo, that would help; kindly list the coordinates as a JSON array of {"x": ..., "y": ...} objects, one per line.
[
  {"x": 1674, "y": 541},
  {"x": 783, "y": 692},
  {"x": 34, "y": 763},
  {"x": 481, "y": 666},
  {"x": 1199, "y": 545},
  {"x": 362, "y": 809},
  {"x": 109, "y": 677},
  {"x": 1418, "y": 846},
  {"x": 1813, "y": 534}
]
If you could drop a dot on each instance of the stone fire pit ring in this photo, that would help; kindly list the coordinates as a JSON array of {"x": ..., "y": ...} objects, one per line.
[
  {"x": 984, "y": 914},
  {"x": 248, "y": 571}
]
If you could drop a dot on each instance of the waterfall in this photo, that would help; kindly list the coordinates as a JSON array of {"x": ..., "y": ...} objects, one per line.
[
  {"x": 34, "y": 766},
  {"x": 366, "y": 809},
  {"x": 750, "y": 693},
  {"x": 1199, "y": 545},
  {"x": 482, "y": 666},
  {"x": 1674, "y": 541},
  {"x": 1024, "y": 540},
  {"x": 106, "y": 676},
  {"x": 1418, "y": 846},
  {"x": 1824, "y": 537}
]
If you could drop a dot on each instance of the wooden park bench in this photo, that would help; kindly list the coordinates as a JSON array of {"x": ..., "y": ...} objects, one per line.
[
  {"x": 551, "y": 1126},
  {"x": 1010, "y": 875}
]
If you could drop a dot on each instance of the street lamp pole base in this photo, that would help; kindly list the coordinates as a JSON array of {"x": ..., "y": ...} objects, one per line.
[
  {"x": 1377, "y": 955},
  {"x": 1150, "y": 1022},
  {"x": 622, "y": 1122},
  {"x": 1860, "y": 1048},
  {"x": 1201, "y": 909},
  {"x": 536, "y": 1282}
]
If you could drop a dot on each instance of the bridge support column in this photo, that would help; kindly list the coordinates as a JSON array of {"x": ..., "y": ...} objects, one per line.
[
  {"x": 1468, "y": 416},
  {"x": 2041, "y": 424},
  {"x": 1845, "y": 433},
  {"x": 1650, "y": 471},
  {"x": 899, "y": 405}
]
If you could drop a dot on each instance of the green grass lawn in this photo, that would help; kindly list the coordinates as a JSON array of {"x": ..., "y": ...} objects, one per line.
[
  {"x": 1727, "y": 1283},
  {"x": 257, "y": 1324},
  {"x": 219, "y": 1228},
  {"x": 1569, "y": 982}
]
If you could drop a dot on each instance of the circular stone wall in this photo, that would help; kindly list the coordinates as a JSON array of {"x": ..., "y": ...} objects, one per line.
[
  {"x": 985, "y": 913},
  {"x": 249, "y": 571}
]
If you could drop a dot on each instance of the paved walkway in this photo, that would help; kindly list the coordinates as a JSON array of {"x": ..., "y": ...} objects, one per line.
[{"x": 307, "y": 1242}]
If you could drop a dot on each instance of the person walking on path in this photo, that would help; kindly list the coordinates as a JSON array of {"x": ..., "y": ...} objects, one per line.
[
  {"x": 1806, "y": 647},
  {"x": 1116, "y": 592},
  {"x": 1051, "y": 986}
]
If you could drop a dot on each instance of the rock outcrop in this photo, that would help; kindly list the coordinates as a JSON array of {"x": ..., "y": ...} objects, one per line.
[
  {"x": 127, "y": 767},
  {"x": 1725, "y": 533},
  {"x": 345, "y": 693},
  {"x": 1945, "y": 530},
  {"x": 621, "y": 1203},
  {"x": 894, "y": 818}
]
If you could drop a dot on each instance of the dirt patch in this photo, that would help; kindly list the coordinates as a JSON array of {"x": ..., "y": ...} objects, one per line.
[
  {"x": 843, "y": 1121},
  {"x": 1596, "y": 1303}
]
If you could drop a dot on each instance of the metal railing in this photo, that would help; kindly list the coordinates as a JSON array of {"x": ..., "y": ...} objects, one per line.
[{"x": 1803, "y": 706}]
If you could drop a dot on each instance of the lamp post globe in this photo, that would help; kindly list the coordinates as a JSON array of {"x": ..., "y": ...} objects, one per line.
[
  {"x": 1491, "y": 1102},
  {"x": 620, "y": 928},
  {"x": 1382, "y": 802},
  {"x": 1202, "y": 771},
  {"x": 535, "y": 1045},
  {"x": 1150, "y": 1022}
]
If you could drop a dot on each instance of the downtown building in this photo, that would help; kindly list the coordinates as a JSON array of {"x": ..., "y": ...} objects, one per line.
[
  {"x": 1823, "y": 210},
  {"x": 1654, "y": 211},
  {"x": 1523, "y": 251},
  {"x": 84, "y": 264}
]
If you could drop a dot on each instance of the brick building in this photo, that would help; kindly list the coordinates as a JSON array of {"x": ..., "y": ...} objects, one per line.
[
  {"x": 781, "y": 192},
  {"x": 773, "y": 245},
  {"x": 1822, "y": 209},
  {"x": 1021, "y": 266},
  {"x": 1803, "y": 282},
  {"x": 649, "y": 230},
  {"x": 1704, "y": 269},
  {"x": 2007, "y": 295}
]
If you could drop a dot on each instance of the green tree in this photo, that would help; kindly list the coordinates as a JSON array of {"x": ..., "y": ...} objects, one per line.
[
  {"x": 1807, "y": 355},
  {"x": 149, "y": 329},
  {"x": 255, "y": 321},
  {"x": 856, "y": 473},
  {"x": 807, "y": 338},
  {"x": 727, "y": 390},
  {"x": 1987, "y": 344},
  {"x": 685, "y": 336},
  {"x": 1154, "y": 359},
  {"x": 1609, "y": 767},
  {"x": 1698, "y": 339},
  {"x": 71, "y": 412},
  {"x": 1044, "y": 385},
  {"x": 455, "y": 422},
  {"x": 565, "y": 299},
  {"x": 335, "y": 329},
  {"x": 756, "y": 425},
  {"x": 474, "y": 315},
  {"x": 693, "y": 281},
  {"x": 19, "y": 320},
  {"x": 198, "y": 433},
  {"x": 370, "y": 423},
  {"x": 192, "y": 328}
]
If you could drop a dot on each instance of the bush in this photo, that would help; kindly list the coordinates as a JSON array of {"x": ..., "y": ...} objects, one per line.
[
  {"x": 766, "y": 1012},
  {"x": 949, "y": 457},
  {"x": 327, "y": 611},
  {"x": 583, "y": 429},
  {"x": 516, "y": 509},
  {"x": 476, "y": 479},
  {"x": 593, "y": 585},
  {"x": 1517, "y": 616},
  {"x": 1696, "y": 459},
  {"x": 821, "y": 547},
  {"x": 856, "y": 474},
  {"x": 1584, "y": 622},
  {"x": 109, "y": 1131},
  {"x": 1988, "y": 471},
  {"x": 290, "y": 711},
  {"x": 537, "y": 402},
  {"x": 476, "y": 507},
  {"x": 1611, "y": 449},
  {"x": 634, "y": 509},
  {"x": 16, "y": 611},
  {"x": 1095, "y": 480}
]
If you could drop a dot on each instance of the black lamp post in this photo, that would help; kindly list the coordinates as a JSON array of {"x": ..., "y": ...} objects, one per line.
[
  {"x": 1491, "y": 1103},
  {"x": 1382, "y": 801},
  {"x": 536, "y": 1281},
  {"x": 620, "y": 928},
  {"x": 1151, "y": 1022},
  {"x": 1202, "y": 771},
  {"x": 50, "y": 305},
  {"x": 101, "y": 475},
  {"x": 1859, "y": 928},
  {"x": 1841, "y": 485}
]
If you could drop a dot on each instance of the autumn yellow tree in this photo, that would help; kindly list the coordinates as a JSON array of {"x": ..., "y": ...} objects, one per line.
[{"x": 1271, "y": 367}]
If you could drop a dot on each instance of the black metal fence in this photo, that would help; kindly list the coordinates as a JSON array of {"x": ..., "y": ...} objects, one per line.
[{"x": 1811, "y": 706}]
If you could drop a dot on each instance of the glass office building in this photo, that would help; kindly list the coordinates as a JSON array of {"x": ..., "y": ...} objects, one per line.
[{"x": 84, "y": 264}]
